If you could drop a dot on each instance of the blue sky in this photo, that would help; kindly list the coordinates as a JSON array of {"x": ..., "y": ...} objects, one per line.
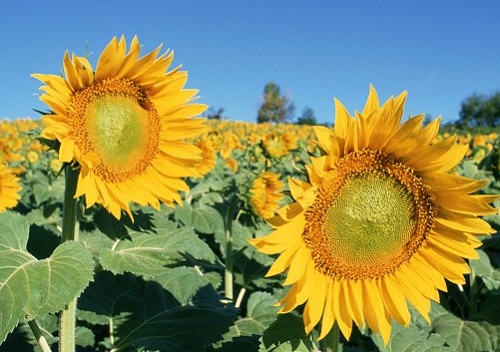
[{"x": 439, "y": 51}]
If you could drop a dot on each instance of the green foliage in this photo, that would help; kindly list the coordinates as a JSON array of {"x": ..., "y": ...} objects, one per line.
[
  {"x": 158, "y": 283},
  {"x": 153, "y": 315},
  {"x": 307, "y": 117},
  {"x": 215, "y": 114},
  {"x": 31, "y": 288},
  {"x": 465, "y": 335},
  {"x": 412, "y": 339}
]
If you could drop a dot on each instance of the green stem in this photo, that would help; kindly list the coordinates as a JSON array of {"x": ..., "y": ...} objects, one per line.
[
  {"x": 67, "y": 316},
  {"x": 228, "y": 272},
  {"x": 67, "y": 328},
  {"x": 331, "y": 342},
  {"x": 44, "y": 346},
  {"x": 70, "y": 205},
  {"x": 472, "y": 293}
]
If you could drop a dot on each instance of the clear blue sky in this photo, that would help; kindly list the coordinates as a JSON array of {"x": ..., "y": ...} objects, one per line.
[{"x": 440, "y": 51}]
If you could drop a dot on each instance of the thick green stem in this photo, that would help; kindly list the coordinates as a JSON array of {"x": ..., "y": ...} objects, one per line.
[
  {"x": 44, "y": 346},
  {"x": 67, "y": 328},
  {"x": 331, "y": 342},
  {"x": 67, "y": 316},
  {"x": 228, "y": 272},
  {"x": 70, "y": 205},
  {"x": 473, "y": 290}
]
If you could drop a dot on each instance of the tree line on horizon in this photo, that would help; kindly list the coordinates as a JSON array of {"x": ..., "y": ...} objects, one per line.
[{"x": 477, "y": 111}]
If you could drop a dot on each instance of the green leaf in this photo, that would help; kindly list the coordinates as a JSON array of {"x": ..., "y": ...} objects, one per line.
[
  {"x": 183, "y": 283},
  {"x": 48, "y": 214},
  {"x": 84, "y": 336},
  {"x": 260, "y": 314},
  {"x": 204, "y": 219},
  {"x": 468, "y": 168},
  {"x": 31, "y": 287},
  {"x": 286, "y": 334},
  {"x": 411, "y": 339},
  {"x": 489, "y": 308},
  {"x": 483, "y": 268},
  {"x": 151, "y": 254},
  {"x": 143, "y": 315},
  {"x": 23, "y": 339},
  {"x": 251, "y": 264},
  {"x": 464, "y": 335},
  {"x": 261, "y": 309},
  {"x": 207, "y": 220}
]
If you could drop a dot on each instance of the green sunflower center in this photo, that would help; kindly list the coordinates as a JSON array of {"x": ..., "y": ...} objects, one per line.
[
  {"x": 117, "y": 126},
  {"x": 372, "y": 217},
  {"x": 371, "y": 214},
  {"x": 116, "y": 120}
]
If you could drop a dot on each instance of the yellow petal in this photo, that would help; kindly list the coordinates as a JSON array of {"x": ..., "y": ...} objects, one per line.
[
  {"x": 343, "y": 318},
  {"x": 394, "y": 300}
]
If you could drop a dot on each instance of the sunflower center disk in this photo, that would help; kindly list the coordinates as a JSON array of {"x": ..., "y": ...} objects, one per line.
[
  {"x": 116, "y": 120},
  {"x": 369, "y": 217},
  {"x": 117, "y": 126}
]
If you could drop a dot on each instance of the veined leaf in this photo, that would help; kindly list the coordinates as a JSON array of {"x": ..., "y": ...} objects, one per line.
[
  {"x": 204, "y": 219},
  {"x": 184, "y": 284},
  {"x": 465, "y": 335},
  {"x": 411, "y": 339},
  {"x": 151, "y": 254},
  {"x": 286, "y": 334},
  {"x": 31, "y": 287},
  {"x": 146, "y": 316},
  {"x": 484, "y": 269}
]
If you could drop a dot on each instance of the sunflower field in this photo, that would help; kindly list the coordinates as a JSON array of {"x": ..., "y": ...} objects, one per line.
[{"x": 130, "y": 223}]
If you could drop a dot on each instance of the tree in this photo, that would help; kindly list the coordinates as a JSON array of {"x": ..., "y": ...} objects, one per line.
[
  {"x": 275, "y": 108},
  {"x": 307, "y": 117},
  {"x": 480, "y": 110},
  {"x": 427, "y": 119},
  {"x": 213, "y": 114}
]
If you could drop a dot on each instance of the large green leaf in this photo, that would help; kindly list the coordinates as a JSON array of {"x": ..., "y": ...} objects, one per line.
[
  {"x": 144, "y": 315},
  {"x": 204, "y": 219},
  {"x": 286, "y": 334},
  {"x": 411, "y": 339},
  {"x": 31, "y": 287},
  {"x": 465, "y": 335},
  {"x": 150, "y": 254}
]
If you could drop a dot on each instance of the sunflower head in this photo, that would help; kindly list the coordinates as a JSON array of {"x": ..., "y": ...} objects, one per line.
[
  {"x": 207, "y": 163},
  {"x": 380, "y": 222},
  {"x": 32, "y": 157},
  {"x": 232, "y": 164},
  {"x": 266, "y": 194},
  {"x": 124, "y": 124},
  {"x": 277, "y": 145},
  {"x": 10, "y": 187}
]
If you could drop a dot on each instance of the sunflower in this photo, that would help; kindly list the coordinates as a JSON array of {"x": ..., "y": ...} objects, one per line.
[
  {"x": 380, "y": 222},
  {"x": 232, "y": 164},
  {"x": 124, "y": 124},
  {"x": 266, "y": 194},
  {"x": 9, "y": 189},
  {"x": 207, "y": 147}
]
